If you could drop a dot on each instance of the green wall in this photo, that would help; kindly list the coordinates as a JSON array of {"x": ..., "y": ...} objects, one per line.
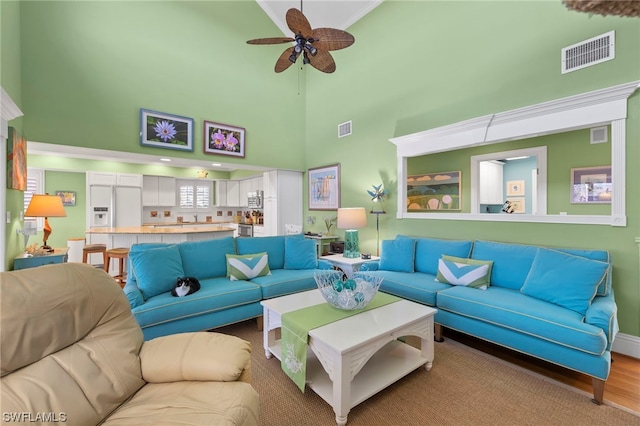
[
  {"x": 10, "y": 79},
  {"x": 415, "y": 65},
  {"x": 419, "y": 65}
]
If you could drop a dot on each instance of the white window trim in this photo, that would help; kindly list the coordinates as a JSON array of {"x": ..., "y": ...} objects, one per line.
[
  {"x": 597, "y": 108},
  {"x": 40, "y": 185}
]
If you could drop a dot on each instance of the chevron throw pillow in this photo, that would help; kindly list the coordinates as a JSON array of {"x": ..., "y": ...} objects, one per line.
[
  {"x": 247, "y": 266},
  {"x": 459, "y": 273}
]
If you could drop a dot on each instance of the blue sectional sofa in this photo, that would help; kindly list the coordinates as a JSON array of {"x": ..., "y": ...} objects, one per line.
[
  {"x": 153, "y": 270},
  {"x": 556, "y": 304}
]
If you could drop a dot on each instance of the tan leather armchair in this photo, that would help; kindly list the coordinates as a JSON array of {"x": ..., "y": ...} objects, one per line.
[{"x": 72, "y": 351}]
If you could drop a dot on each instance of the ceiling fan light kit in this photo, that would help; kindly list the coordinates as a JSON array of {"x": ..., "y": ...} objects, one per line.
[{"x": 312, "y": 45}]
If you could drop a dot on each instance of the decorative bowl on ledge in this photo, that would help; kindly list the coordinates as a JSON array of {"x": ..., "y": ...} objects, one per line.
[{"x": 352, "y": 293}]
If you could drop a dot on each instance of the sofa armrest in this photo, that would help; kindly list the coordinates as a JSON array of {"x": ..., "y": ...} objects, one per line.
[
  {"x": 199, "y": 356},
  {"x": 133, "y": 293},
  {"x": 370, "y": 266},
  {"x": 324, "y": 264},
  {"x": 603, "y": 314}
]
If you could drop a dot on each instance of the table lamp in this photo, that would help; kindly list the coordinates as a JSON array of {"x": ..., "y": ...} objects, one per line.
[
  {"x": 351, "y": 218},
  {"x": 45, "y": 206}
]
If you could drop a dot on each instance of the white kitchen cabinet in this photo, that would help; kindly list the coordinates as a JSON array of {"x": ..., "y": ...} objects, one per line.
[
  {"x": 114, "y": 179},
  {"x": 233, "y": 193},
  {"x": 128, "y": 179},
  {"x": 221, "y": 193},
  {"x": 245, "y": 188},
  {"x": 282, "y": 200},
  {"x": 491, "y": 182},
  {"x": 158, "y": 191}
]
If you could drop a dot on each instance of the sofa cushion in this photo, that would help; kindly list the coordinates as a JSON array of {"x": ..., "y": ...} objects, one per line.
[
  {"x": 285, "y": 281},
  {"x": 468, "y": 272},
  {"x": 300, "y": 253},
  {"x": 206, "y": 259},
  {"x": 247, "y": 266},
  {"x": 215, "y": 294},
  {"x": 398, "y": 255},
  {"x": 430, "y": 250},
  {"x": 274, "y": 246},
  {"x": 564, "y": 279},
  {"x": 511, "y": 262},
  {"x": 421, "y": 288},
  {"x": 156, "y": 269},
  {"x": 602, "y": 255},
  {"x": 516, "y": 311}
]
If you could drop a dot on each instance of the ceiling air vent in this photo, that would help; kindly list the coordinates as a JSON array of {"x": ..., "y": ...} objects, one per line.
[
  {"x": 589, "y": 52},
  {"x": 344, "y": 129}
]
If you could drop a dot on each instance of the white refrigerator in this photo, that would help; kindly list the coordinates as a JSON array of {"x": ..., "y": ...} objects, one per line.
[{"x": 112, "y": 206}]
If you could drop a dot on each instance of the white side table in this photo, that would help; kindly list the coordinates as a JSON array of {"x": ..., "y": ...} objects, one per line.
[
  {"x": 346, "y": 264},
  {"x": 322, "y": 241}
]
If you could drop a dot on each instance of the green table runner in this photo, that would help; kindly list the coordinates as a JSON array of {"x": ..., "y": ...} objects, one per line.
[{"x": 295, "y": 332}]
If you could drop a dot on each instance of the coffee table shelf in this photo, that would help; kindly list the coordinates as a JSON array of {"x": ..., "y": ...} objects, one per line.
[{"x": 356, "y": 357}]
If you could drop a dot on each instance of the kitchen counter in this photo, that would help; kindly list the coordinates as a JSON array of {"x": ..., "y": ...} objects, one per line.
[
  {"x": 160, "y": 233},
  {"x": 162, "y": 229}
]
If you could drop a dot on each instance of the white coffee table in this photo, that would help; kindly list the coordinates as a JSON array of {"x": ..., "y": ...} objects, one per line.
[{"x": 356, "y": 357}]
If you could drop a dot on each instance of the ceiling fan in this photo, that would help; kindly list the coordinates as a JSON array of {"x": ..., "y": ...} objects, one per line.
[{"x": 312, "y": 44}]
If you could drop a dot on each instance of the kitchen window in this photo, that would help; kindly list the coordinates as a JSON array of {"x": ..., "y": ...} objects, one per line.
[
  {"x": 35, "y": 185},
  {"x": 194, "y": 195}
]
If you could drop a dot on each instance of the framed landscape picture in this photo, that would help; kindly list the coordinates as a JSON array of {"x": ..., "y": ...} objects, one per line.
[
  {"x": 433, "y": 191},
  {"x": 163, "y": 130},
  {"x": 324, "y": 187},
  {"x": 222, "y": 139}
]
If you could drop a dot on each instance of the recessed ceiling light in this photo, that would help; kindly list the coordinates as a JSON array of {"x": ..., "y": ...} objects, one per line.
[
  {"x": 216, "y": 164},
  {"x": 165, "y": 159}
]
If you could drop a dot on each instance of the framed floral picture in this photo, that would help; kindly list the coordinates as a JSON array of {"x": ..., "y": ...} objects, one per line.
[
  {"x": 166, "y": 130},
  {"x": 324, "y": 188},
  {"x": 222, "y": 139}
]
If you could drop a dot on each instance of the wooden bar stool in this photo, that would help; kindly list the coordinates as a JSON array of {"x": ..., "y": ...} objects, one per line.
[
  {"x": 121, "y": 254},
  {"x": 93, "y": 248}
]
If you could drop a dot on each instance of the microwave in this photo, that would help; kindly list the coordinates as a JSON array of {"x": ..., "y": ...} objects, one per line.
[{"x": 255, "y": 199}]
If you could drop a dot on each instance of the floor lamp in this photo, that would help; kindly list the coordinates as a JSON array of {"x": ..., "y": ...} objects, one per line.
[
  {"x": 377, "y": 213},
  {"x": 45, "y": 206}
]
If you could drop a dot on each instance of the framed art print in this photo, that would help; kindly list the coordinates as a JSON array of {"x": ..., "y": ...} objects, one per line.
[
  {"x": 163, "y": 130},
  {"x": 515, "y": 188},
  {"x": 324, "y": 188},
  {"x": 591, "y": 185},
  {"x": 222, "y": 139},
  {"x": 433, "y": 191},
  {"x": 68, "y": 197}
]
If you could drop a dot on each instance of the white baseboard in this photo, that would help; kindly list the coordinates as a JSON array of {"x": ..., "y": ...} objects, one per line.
[{"x": 627, "y": 344}]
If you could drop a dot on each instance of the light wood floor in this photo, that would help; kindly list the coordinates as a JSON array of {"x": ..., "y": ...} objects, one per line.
[{"x": 623, "y": 384}]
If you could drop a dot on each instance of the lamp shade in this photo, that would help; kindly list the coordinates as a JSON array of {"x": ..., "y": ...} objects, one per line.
[
  {"x": 45, "y": 206},
  {"x": 352, "y": 218}
]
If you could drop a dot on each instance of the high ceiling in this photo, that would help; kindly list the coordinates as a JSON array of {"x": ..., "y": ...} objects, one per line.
[
  {"x": 321, "y": 13},
  {"x": 339, "y": 14}
]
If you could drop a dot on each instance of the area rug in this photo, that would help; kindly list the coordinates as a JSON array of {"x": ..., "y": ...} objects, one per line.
[{"x": 464, "y": 387}]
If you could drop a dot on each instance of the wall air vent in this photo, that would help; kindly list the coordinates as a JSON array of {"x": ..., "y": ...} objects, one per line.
[
  {"x": 599, "y": 135},
  {"x": 589, "y": 52},
  {"x": 344, "y": 129}
]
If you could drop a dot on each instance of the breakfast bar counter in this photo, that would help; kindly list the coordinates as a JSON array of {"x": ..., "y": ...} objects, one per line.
[{"x": 127, "y": 236}]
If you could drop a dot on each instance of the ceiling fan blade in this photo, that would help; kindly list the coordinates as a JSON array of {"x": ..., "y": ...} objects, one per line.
[
  {"x": 298, "y": 23},
  {"x": 331, "y": 39},
  {"x": 323, "y": 61},
  {"x": 283, "y": 61},
  {"x": 271, "y": 40}
]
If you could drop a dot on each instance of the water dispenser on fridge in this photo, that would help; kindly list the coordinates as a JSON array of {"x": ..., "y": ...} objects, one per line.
[{"x": 100, "y": 217}]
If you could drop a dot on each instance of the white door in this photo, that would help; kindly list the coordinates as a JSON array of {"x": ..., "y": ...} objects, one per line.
[{"x": 128, "y": 205}]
